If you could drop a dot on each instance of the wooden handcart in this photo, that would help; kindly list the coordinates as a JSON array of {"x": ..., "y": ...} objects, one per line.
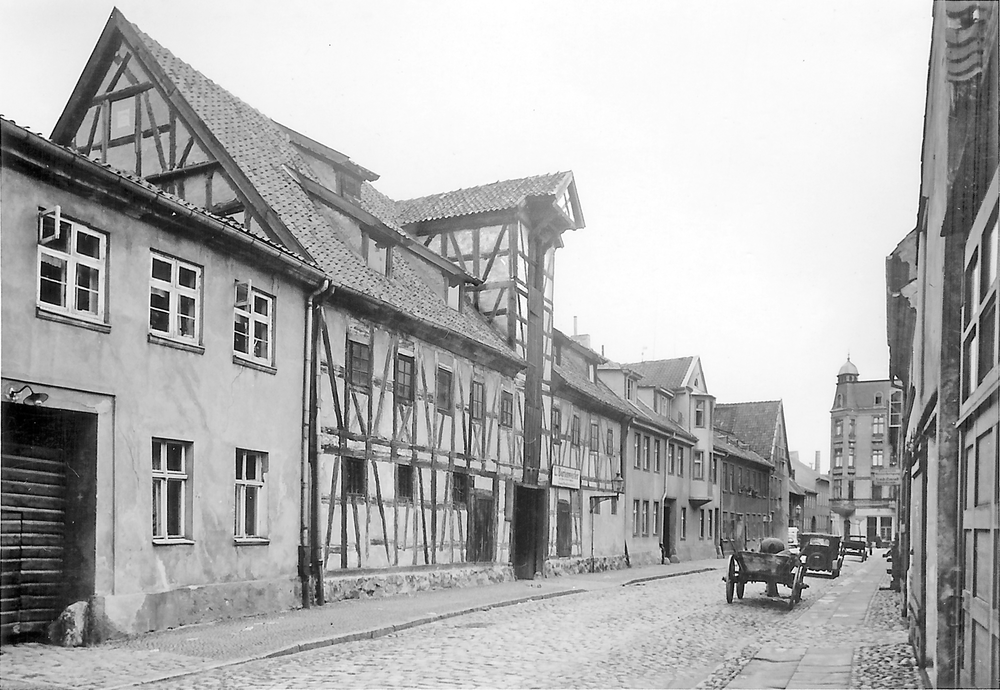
[{"x": 771, "y": 568}]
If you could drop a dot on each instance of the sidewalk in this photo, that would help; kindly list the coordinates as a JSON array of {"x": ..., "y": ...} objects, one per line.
[
  {"x": 818, "y": 666},
  {"x": 182, "y": 651}
]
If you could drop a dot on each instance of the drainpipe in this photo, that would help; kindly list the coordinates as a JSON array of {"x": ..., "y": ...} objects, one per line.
[{"x": 308, "y": 382}]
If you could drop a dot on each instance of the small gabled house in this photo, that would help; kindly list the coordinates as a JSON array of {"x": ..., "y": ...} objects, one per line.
[
  {"x": 745, "y": 482},
  {"x": 761, "y": 426},
  {"x": 587, "y": 450},
  {"x": 152, "y": 402}
]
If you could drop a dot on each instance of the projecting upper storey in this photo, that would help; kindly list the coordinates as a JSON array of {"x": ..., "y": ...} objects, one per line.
[{"x": 140, "y": 109}]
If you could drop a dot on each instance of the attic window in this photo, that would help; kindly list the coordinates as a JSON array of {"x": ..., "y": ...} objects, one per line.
[
  {"x": 378, "y": 256},
  {"x": 453, "y": 294},
  {"x": 592, "y": 373},
  {"x": 349, "y": 186},
  {"x": 629, "y": 388},
  {"x": 565, "y": 204}
]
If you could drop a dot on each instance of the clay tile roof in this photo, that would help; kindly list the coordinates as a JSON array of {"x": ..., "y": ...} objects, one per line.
[
  {"x": 599, "y": 391},
  {"x": 263, "y": 151},
  {"x": 752, "y": 422},
  {"x": 665, "y": 373},
  {"x": 498, "y": 196}
]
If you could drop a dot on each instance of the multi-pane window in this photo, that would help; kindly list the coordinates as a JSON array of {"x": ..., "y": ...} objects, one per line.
[
  {"x": 635, "y": 518},
  {"x": 838, "y": 428},
  {"x": 170, "y": 464},
  {"x": 837, "y": 488},
  {"x": 714, "y": 471},
  {"x": 174, "y": 298},
  {"x": 877, "y": 457},
  {"x": 477, "y": 403},
  {"x": 850, "y": 490},
  {"x": 701, "y": 524},
  {"x": 629, "y": 389},
  {"x": 403, "y": 379},
  {"x": 556, "y": 425},
  {"x": 506, "y": 409},
  {"x": 404, "y": 483},
  {"x": 671, "y": 459},
  {"x": 250, "y": 467},
  {"x": 595, "y": 437},
  {"x": 699, "y": 413},
  {"x": 637, "y": 457},
  {"x": 645, "y": 453},
  {"x": 645, "y": 518},
  {"x": 355, "y": 477},
  {"x": 611, "y": 441},
  {"x": 574, "y": 436},
  {"x": 850, "y": 458},
  {"x": 698, "y": 466},
  {"x": 878, "y": 424},
  {"x": 711, "y": 526},
  {"x": 443, "y": 386},
  {"x": 680, "y": 461},
  {"x": 657, "y": 462},
  {"x": 459, "y": 488},
  {"x": 72, "y": 263},
  {"x": 359, "y": 364},
  {"x": 853, "y": 427},
  {"x": 656, "y": 518},
  {"x": 253, "y": 323},
  {"x": 838, "y": 457},
  {"x": 684, "y": 523}
]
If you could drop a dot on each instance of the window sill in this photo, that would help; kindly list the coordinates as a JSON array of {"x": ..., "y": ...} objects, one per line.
[
  {"x": 250, "y": 364},
  {"x": 251, "y": 541},
  {"x": 173, "y": 541},
  {"x": 42, "y": 313},
  {"x": 176, "y": 344}
]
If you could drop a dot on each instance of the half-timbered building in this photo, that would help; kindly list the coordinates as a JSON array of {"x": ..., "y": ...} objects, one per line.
[{"x": 426, "y": 359}]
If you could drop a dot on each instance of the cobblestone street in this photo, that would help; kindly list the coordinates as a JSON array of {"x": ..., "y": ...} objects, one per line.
[{"x": 667, "y": 633}]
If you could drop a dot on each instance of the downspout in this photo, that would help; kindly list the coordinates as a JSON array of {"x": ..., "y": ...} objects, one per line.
[{"x": 308, "y": 383}]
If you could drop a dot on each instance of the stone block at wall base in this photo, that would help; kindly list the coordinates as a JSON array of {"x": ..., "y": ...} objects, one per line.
[
  {"x": 70, "y": 628},
  {"x": 575, "y": 565},
  {"x": 371, "y": 584}
]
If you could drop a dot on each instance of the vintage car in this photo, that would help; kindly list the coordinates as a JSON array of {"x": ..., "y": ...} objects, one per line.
[
  {"x": 856, "y": 544},
  {"x": 821, "y": 552}
]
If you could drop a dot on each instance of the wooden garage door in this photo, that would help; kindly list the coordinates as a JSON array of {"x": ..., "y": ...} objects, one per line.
[{"x": 33, "y": 490}]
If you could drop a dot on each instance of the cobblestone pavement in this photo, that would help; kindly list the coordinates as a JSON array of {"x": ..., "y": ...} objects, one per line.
[{"x": 668, "y": 633}]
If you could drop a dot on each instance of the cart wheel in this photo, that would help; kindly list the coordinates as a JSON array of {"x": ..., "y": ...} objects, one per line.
[
  {"x": 731, "y": 579},
  {"x": 796, "y": 595},
  {"x": 739, "y": 589}
]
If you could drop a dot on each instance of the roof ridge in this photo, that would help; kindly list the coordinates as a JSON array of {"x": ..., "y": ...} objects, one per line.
[{"x": 480, "y": 186}]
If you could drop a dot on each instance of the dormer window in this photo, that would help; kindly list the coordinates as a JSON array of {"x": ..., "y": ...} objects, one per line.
[
  {"x": 349, "y": 186},
  {"x": 565, "y": 204},
  {"x": 629, "y": 389},
  {"x": 592, "y": 372},
  {"x": 377, "y": 255},
  {"x": 453, "y": 295}
]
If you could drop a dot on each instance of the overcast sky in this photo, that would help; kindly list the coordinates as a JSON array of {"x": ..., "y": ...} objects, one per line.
[{"x": 744, "y": 167}]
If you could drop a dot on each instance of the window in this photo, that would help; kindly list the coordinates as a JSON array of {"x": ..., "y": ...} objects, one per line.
[
  {"x": 714, "y": 471},
  {"x": 477, "y": 405},
  {"x": 680, "y": 461},
  {"x": 645, "y": 453},
  {"x": 877, "y": 457},
  {"x": 629, "y": 388},
  {"x": 684, "y": 523},
  {"x": 850, "y": 458},
  {"x": 174, "y": 298},
  {"x": 637, "y": 458},
  {"x": 635, "y": 518},
  {"x": 671, "y": 459},
  {"x": 645, "y": 518},
  {"x": 711, "y": 530},
  {"x": 359, "y": 364},
  {"x": 403, "y": 388},
  {"x": 574, "y": 436},
  {"x": 171, "y": 465},
  {"x": 878, "y": 425},
  {"x": 837, "y": 488},
  {"x": 699, "y": 414},
  {"x": 72, "y": 265},
  {"x": 850, "y": 489},
  {"x": 404, "y": 483},
  {"x": 725, "y": 477},
  {"x": 252, "y": 323},
  {"x": 507, "y": 409},
  {"x": 838, "y": 428},
  {"x": 657, "y": 463},
  {"x": 355, "y": 477},
  {"x": 250, "y": 469},
  {"x": 459, "y": 488},
  {"x": 876, "y": 492},
  {"x": 838, "y": 457},
  {"x": 656, "y": 518},
  {"x": 443, "y": 391},
  {"x": 556, "y": 425},
  {"x": 698, "y": 468},
  {"x": 878, "y": 399},
  {"x": 595, "y": 437},
  {"x": 611, "y": 440},
  {"x": 701, "y": 524}
]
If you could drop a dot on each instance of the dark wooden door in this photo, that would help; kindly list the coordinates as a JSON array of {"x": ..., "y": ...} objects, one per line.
[
  {"x": 32, "y": 535},
  {"x": 564, "y": 529},
  {"x": 481, "y": 528}
]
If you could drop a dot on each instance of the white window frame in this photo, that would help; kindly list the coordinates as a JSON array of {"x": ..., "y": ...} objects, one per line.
[
  {"x": 247, "y": 300},
  {"x": 878, "y": 457},
  {"x": 174, "y": 292},
  {"x": 245, "y": 486},
  {"x": 162, "y": 476},
  {"x": 72, "y": 260}
]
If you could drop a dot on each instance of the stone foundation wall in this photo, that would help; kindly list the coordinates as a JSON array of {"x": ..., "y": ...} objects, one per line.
[
  {"x": 374, "y": 584},
  {"x": 555, "y": 567}
]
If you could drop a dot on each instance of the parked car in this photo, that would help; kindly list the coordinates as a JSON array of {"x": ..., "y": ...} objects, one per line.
[
  {"x": 821, "y": 552},
  {"x": 856, "y": 544}
]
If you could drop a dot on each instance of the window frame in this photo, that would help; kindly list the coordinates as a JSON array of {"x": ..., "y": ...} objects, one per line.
[
  {"x": 657, "y": 456},
  {"x": 175, "y": 293},
  {"x": 245, "y": 486},
  {"x": 403, "y": 381},
  {"x": 574, "y": 435},
  {"x": 72, "y": 260},
  {"x": 700, "y": 410},
  {"x": 477, "y": 401},
  {"x": 506, "y": 409},
  {"x": 645, "y": 452},
  {"x": 252, "y": 319},
  {"x": 555, "y": 421},
  {"x": 460, "y": 488},
  {"x": 444, "y": 386},
  {"x": 358, "y": 368},
  {"x": 162, "y": 477},
  {"x": 401, "y": 471},
  {"x": 698, "y": 465},
  {"x": 355, "y": 475},
  {"x": 595, "y": 436}
]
